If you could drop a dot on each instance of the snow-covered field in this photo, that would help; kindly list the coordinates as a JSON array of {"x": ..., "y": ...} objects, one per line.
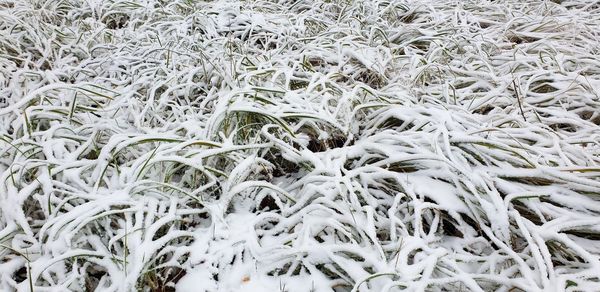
[{"x": 292, "y": 145}]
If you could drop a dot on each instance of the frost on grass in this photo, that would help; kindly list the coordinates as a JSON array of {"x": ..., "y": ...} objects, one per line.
[{"x": 299, "y": 145}]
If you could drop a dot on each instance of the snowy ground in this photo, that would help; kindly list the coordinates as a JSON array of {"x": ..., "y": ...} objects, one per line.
[{"x": 299, "y": 145}]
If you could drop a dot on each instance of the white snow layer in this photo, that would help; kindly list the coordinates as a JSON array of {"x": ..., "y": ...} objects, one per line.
[{"x": 299, "y": 145}]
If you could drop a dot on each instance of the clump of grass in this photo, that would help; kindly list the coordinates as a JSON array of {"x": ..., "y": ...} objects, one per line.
[{"x": 364, "y": 146}]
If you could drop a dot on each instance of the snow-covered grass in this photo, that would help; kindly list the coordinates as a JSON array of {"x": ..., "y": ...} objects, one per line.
[{"x": 299, "y": 145}]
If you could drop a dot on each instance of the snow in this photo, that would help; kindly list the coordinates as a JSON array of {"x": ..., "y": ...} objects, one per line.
[{"x": 299, "y": 145}]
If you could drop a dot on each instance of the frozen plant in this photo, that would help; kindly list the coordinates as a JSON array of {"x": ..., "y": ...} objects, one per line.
[{"x": 291, "y": 145}]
